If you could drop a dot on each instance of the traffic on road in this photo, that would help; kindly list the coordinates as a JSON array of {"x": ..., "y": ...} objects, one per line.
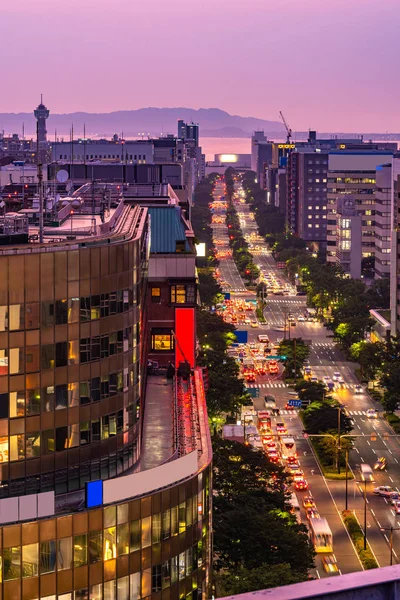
[{"x": 287, "y": 315}]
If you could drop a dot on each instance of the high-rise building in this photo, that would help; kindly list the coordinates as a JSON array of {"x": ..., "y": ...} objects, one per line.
[
  {"x": 104, "y": 461},
  {"x": 307, "y": 194},
  {"x": 348, "y": 253},
  {"x": 353, "y": 172}
]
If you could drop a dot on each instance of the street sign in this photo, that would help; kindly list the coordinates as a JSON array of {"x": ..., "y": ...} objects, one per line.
[
  {"x": 242, "y": 336},
  {"x": 227, "y": 295},
  {"x": 254, "y": 392},
  {"x": 276, "y": 357},
  {"x": 294, "y": 403}
]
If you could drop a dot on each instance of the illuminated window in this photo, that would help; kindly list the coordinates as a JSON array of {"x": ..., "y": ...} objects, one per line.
[
  {"x": 178, "y": 294},
  {"x": 162, "y": 340},
  {"x": 156, "y": 294}
]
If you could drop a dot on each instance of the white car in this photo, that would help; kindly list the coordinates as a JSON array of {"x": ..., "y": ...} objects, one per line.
[
  {"x": 397, "y": 508},
  {"x": 336, "y": 376},
  {"x": 301, "y": 319},
  {"x": 340, "y": 380},
  {"x": 326, "y": 378},
  {"x": 383, "y": 490},
  {"x": 358, "y": 389},
  {"x": 372, "y": 413}
]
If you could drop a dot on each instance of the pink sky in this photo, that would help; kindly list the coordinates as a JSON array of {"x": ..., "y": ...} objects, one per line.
[{"x": 327, "y": 64}]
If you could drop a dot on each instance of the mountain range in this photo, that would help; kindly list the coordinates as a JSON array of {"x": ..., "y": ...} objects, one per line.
[{"x": 154, "y": 121}]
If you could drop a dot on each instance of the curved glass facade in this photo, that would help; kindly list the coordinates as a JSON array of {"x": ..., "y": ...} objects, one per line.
[
  {"x": 69, "y": 365},
  {"x": 155, "y": 546}
]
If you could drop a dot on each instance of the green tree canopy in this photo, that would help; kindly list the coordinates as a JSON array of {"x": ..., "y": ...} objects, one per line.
[{"x": 321, "y": 417}]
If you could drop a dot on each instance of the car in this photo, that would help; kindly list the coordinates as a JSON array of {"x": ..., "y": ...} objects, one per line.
[
  {"x": 298, "y": 476},
  {"x": 263, "y": 338},
  {"x": 288, "y": 406},
  {"x": 384, "y": 490},
  {"x": 306, "y": 363},
  {"x": 358, "y": 389},
  {"x": 247, "y": 321},
  {"x": 312, "y": 513},
  {"x": 396, "y": 507},
  {"x": 308, "y": 502},
  {"x": 292, "y": 460},
  {"x": 271, "y": 444},
  {"x": 340, "y": 380},
  {"x": 394, "y": 497},
  {"x": 336, "y": 376},
  {"x": 314, "y": 379},
  {"x": 330, "y": 565},
  {"x": 294, "y": 469},
  {"x": 308, "y": 371},
  {"x": 326, "y": 378},
  {"x": 301, "y": 486},
  {"x": 372, "y": 413},
  {"x": 254, "y": 324},
  {"x": 380, "y": 464},
  {"x": 301, "y": 318}
]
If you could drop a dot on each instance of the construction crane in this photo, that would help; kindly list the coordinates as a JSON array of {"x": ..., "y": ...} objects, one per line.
[{"x": 288, "y": 130}]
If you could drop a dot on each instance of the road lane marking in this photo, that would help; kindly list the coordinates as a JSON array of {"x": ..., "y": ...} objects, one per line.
[
  {"x": 391, "y": 479},
  {"x": 362, "y": 459},
  {"x": 386, "y": 537}
]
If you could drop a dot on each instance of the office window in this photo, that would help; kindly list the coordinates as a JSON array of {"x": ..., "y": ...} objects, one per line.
[
  {"x": 61, "y": 354},
  {"x": 61, "y": 396},
  {"x": 156, "y": 294},
  {"x": 47, "y": 557},
  {"x": 17, "y": 404},
  {"x": 32, "y": 447},
  {"x": 162, "y": 340},
  {"x": 12, "y": 563},
  {"x": 80, "y": 550},
  {"x": 30, "y": 560},
  {"x": 95, "y": 546},
  {"x": 61, "y": 311}
]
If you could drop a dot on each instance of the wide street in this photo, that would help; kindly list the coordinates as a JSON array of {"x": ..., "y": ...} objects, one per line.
[{"x": 325, "y": 360}]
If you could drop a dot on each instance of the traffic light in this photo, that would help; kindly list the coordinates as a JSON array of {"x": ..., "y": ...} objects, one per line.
[
  {"x": 373, "y": 437},
  {"x": 386, "y": 436}
]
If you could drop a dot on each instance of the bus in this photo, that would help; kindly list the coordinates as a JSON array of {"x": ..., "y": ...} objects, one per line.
[
  {"x": 367, "y": 473},
  {"x": 321, "y": 535},
  {"x": 294, "y": 506},
  {"x": 288, "y": 447},
  {"x": 264, "y": 421}
]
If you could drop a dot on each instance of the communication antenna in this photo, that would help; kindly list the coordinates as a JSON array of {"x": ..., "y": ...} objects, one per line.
[{"x": 40, "y": 184}]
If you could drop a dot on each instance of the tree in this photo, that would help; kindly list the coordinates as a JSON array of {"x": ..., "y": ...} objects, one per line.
[
  {"x": 211, "y": 291},
  {"x": 309, "y": 391},
  {"x": 261, "y": 578},
  {"x": 391, "y": 401},
  {"x": 296, "y": 352},
  {"x": 239, "y": 469},
  {"x": 249, "y": 533},
  {"x": 370, "y": 357},
  {"x": 328, "y": 449},
  {"x": 321, "y": 417},
  {"x": 226, "y": 392}
]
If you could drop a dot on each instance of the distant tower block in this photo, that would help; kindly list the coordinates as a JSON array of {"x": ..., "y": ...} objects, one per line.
[{"x": 41, "y": 114}]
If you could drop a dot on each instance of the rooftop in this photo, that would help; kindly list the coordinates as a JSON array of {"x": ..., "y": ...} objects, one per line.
[{"x": 167, "y": 228}]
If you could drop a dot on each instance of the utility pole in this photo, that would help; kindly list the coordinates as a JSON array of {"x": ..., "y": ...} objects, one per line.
[
  {"x": 284, "y": 308},
  {"x": 338, "y": 446},
  {"x": 295, "y": 361},
  {"x": 347, "y": 475},
  {"x": 391, "y": 529}
]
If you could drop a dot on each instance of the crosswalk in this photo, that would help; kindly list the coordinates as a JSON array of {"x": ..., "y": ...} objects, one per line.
[
  {"x": 282, "y": 384},
  {"x": 269, "y": 385},
  {"x": 324, "y": 345},
  {"x": 357, "y": 413},
  {"x": 285, "y": 300}
]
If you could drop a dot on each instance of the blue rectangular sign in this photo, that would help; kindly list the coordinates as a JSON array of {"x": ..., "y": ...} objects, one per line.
[
  {"x": 227, "y": 295},
  {"x": 94, "y": 493},
  {"x": 294, "y": 403},
  {"x": 242, "y": 336},
  {"x": 254, "y": 392}
]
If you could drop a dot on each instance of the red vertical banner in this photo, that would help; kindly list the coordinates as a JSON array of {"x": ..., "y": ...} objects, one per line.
[{"x": 185, "y": 336}]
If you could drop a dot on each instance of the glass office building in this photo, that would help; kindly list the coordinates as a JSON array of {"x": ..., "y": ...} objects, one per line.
[{"x": 72, "y": 397}]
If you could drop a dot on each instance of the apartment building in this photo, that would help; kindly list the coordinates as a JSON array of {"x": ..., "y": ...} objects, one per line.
[{"x": 353, "y": 173}]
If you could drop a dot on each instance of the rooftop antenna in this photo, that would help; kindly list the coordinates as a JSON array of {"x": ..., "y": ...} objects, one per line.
[
  {"x": 40, "y": 182},
  {"x": 84, "y": 144}
]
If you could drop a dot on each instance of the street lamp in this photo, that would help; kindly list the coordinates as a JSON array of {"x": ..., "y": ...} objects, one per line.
[
  {"x": 391, "y": 529},
  {"x": 365, "y": 512}
]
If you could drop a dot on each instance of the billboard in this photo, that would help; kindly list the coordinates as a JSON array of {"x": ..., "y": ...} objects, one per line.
[{"x": 185, "y": 336}]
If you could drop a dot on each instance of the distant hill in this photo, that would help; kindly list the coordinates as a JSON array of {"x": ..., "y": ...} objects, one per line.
[{"x": 154, "y": 121}]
